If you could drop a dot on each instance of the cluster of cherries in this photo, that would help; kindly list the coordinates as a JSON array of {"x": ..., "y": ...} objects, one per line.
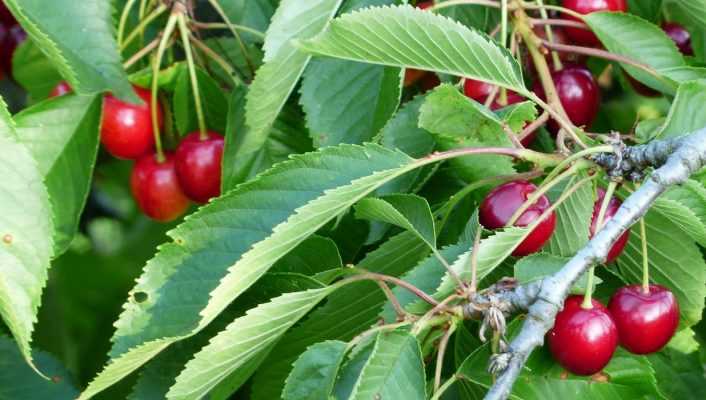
[
  {"x": 161, "y": 184},
  {"x": 11, "y": 35},
  {"x": 584, "y": 337},
  {"x": 576, "y": 87}
]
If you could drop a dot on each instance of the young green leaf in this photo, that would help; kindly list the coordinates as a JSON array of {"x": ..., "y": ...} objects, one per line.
[
  {"x": 573, "y": 218},
  {"x": 404, "y": 36},
  {"x": 62, "y": 135},
  {"x": 406, "y": 211},
  {"x": 276, "y": 79},
  {"x": 250, "y": 14},
  {"x": 685, "y": 115},
  {"x": 213, "y": 100},
  {"x": 26, "y": 230},
  {"x": 314, "y": 372},
  {"x": 79, "y": 38},
  {"x": 538, "y": 266},
  {"x": 34, "y": 71},
  {"x": 394, "y": 370}
]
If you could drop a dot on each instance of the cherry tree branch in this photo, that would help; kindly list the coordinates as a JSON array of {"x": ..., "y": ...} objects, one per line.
[{"x": 675, "y": 160}]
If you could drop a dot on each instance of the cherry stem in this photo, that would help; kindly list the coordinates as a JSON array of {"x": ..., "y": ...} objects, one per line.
[
  {"x": 563, "y": 10},
  {"x": 241, "y": 44},
  {"x": 558, "y": 22},
  {"x": 474, "y": 259},
  {"x": 577, "y": 156},
  {"x": 550, "y": 36},
  {"x": 451, "y": 3},
  {"x": 391, "y": 279},
  {"x": 142, "y": 52},
  {"x": 123, "y": 19},
  {"x": 503, "y": 23},
  {"x": 399, "y": 310},
  {"x": 372, "y": 330},
  {"x": 443, "y": 344},
  {"x": 589, "y": 51},
  {"x": 156, "y": 65},
  {"x": 184, "y": 31},
  {"x": 532, "y": 127},
  {"x": 208, "y": 52},
  {"x": 140, "y": 28},
  {"x": 599, "y": 225},
  {"x": 228, "y": 26},
  {"x": 437, "y": 395},
  {"x": 645, "y": 258}
]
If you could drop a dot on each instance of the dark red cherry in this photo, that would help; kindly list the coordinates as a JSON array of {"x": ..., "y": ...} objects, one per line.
[
  {"x": 502, "y": 202},
  {"x": 5, "y": 16},
  {"x": 425, "y": 4},
  {"x": 645, "y": 321},
  {"x": 613, "y": 206},
  {"x": 10, "y": 37},
  {"x": 583, "y": 340},
  {"x": 126, "y": 130},
  {"x": 680, "y": 36},
  {"x": 586, "y": 37},
  {"x": 198, "y": 166},
  {"x": 578, "y": 93},
  {"x": 61, "y": 89},
  {"x": 156, "y": 188},
  {"x": 477, "y": 90}
]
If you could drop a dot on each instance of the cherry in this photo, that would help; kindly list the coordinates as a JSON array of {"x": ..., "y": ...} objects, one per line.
[
  {"x": 6, "y": 16},
  {"x": 613, "y": 206},
  {"x": 680, "y": 36},
  {"x": 583, "y": 340},
  {"x": 477, "y": 90},
  {"x": 156, "y": 188},
  {"x": 646, "y": 321},
  {"x": 425, "y": 4},
  {"x": 198, "y": 166},
  {"x": 126, "y": 130},
  {"x": 582, "y": 36},
  {"x": 578, "y": 93},
  {"x": 10, "y": 37},
  {"x": 502, "y": 202},
  {"x": 60, "y": 89}
]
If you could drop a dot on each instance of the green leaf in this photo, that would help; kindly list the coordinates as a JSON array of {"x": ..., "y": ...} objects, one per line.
[
  {"x": 675, "y": 261},
  {"x": 229, "y": 49},
  {"x": 538, "y": 266},
  {"x": 403, "y": 36},
  {"x": 694, "y": 10},
  {"x": 352, "y": 369},
  {"x": 361, "y": 303},
  {"x": 234, "y": 240},
  {"x": 34, "y": 71},
  {"x": 19, "y": 381},
  {"x": 476, "y": 16},
  {"x": 315, "y": 255},
  {"x": 628, "y": 377},
  {"x": 637, "y": 39},
  {"x": 242, "y": 340},
  {"x": 573, "y": 218},
  {"x": 213, "y": 101},
  {"x": 79, "y": 38},
  {"x": 26, "y": 230},
  {"x": 252, "y": 14},
  {"x": 686, "y": 116},
  {"x": 406, "y": 211},
  {"x": 314, "y": 372},
  {"x": 649, "y": 10},
  {"x": 394, "y": 370},
  {"x": 62, "y": 135},
  {"x": 348, "y": 102},
  {"x": 276, "y": 79},
  {"x": 679, "y": 376},
  {"x": 685, "y": 206}
]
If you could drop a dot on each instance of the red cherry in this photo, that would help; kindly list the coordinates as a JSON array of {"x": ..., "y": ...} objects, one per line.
[
  {"x": 502, "y": 202},
  {"x": 645, "y": 321},
  {"x": 583, "y": 340},
  {"x": 582, "y": 36},
  {"x": 61, "y": 89},
  {"x": 198, "y": 166},
  {"x": 578, "y": 93},
  {"x": 6, "y": 16},
  {"x": 425, "y": 4},
  {"x": 10, "y": 37},
  {"x": 126, "y": 131},
  {"x": 613, "y": 206},
  {"x": 559, "y": 37},
  {"x": 477, "y": 90},
  {"x": 156, "y": 188},
  {"x": 680, "y": 36}
]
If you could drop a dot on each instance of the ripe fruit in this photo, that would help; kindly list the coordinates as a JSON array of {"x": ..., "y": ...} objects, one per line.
[
  {"x": 198, "y": 166},
  {"x": 680, "y": 36},
  {"x": 583, "y": 340},
  {"x": 61, "y": 89},
  {"x": 586, "y": 37},
  {"x": 10, "y": 37},
  {"x": 425, "y": 4},
  {"x": 578, "y": 93},
  {"x": 126, "y": 130},
  {"x": 613, "y": 206},
  {"x": 477, "y": 90},
  {"x": 645, "y": 321},
  {"x": 156, "y": 188},
  {"x": 502, "y": 202}
]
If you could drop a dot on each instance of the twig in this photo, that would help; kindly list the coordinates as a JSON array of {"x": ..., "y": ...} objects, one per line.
[
  {"x": 395, "y": 281},
  {"x": 399, "y": 310},
  {"x": 142, "y": 52},
  {"x": 536, "y": 124},
  {"x": 683, "y": 158},
  {"x": 559, "y": 22}
]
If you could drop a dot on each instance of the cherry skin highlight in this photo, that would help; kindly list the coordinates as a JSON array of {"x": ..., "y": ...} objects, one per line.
[
  {"x": 578, "y": 93},
  {"x": 198, "y": 166},
  {"x": 60, "y": 89},
  {"x": 583, "y": 340},
  {"x": 126, "y": 130},
  {"x": 585, "y": 37},
  {"x": 502, "y": 202},
  {"x": 613, "y": 206},
  {"x": 680, "y": 36},
  {"x": 156, "y": 188},
  {"x": 645, "y": 321}
]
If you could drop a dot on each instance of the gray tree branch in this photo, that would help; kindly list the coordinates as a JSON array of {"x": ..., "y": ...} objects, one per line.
[{"x": 677, "y": 159}]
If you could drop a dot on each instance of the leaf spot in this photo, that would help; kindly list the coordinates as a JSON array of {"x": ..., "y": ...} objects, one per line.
[
  {"x": 140, "y": 297},
  {"x": 7, "y": 239}
]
